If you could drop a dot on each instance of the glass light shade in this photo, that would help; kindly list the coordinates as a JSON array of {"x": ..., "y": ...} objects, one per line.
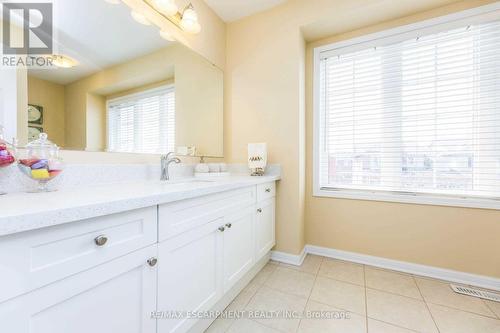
[
  {"x": 189, "y": 22},
  {"x": 167, "y": 7},
  {"x": 167, "y": 36},
  {"x": 113, "y": 2},
  {"x": 63, "y": 61},
  {"x": 140, "y": 18}
]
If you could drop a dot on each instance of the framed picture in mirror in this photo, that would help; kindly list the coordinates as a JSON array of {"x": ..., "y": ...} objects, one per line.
[
  {"x": 34, "y": 132},
  {"x": 35, "y": 114}
]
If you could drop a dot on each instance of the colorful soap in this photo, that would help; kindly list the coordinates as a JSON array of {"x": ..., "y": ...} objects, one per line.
[
  {"x": 6, "y": 160},
  {"x": 40, "y": 174},
  {"x": 54, "y": 173},
  {"x": 41, "y": 164},
  {"x": 6, "y": 157},
  {"x": 29, "y": 161},
  {"x": 25, "y": 169},
  {"x": 41, "y": 169}
]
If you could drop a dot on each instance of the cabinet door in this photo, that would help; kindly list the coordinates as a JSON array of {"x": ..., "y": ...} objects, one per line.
[
  {"x": 239, "y": 245},
  {"x": 117, "y": 296},
  {"x": 189, "y": 276},
  {"x": 264, "y": 227}
]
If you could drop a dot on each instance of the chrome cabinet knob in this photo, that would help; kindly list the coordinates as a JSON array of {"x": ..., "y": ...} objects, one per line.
[
  {"x": 221, "y": 229},
  {"x": 259, "y": 210},
  {"x": 229, "y": 225},
  {"x": 100, "y": 240},
  {"x": 268, "y": 190},
  {"x": 152, "y": 261}
]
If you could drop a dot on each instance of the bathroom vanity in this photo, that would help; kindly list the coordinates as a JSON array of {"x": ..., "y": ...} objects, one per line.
[{"x": 131, "y": 258}]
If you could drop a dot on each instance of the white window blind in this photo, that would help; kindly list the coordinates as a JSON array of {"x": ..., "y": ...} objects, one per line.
[
  {"x": 415, "y": 116},
  {"x": 143, "y": 122}
]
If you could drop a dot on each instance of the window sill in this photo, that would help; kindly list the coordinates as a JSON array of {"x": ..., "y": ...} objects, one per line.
[{"x": 420, "y": 199}]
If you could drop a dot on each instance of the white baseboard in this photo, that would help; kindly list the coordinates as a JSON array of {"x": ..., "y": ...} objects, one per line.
[
  {"x": 401, "y": 266},
  {"x": 287, "y": 258}
]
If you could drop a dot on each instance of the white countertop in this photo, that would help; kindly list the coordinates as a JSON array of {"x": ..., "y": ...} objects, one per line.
[{"x": 28, "y": 211}]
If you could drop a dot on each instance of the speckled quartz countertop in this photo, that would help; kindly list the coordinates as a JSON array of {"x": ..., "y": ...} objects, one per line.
[{"x": 28, "y": 211}]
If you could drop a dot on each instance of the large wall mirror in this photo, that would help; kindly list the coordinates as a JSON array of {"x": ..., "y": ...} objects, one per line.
[{"x": 129, "y": 90}]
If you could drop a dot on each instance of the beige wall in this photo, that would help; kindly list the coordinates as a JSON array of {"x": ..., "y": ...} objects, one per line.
[
  {"x": 22, "y": 102},
  {"x": 96, "y": 122},
  {"x": 198, "y": 91},
  {"x": 51, "y": 97},
  {"x": 264, "y": 102}
]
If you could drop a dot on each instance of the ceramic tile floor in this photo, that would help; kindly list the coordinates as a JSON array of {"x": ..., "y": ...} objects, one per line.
[{"x": 374, "y": 301}]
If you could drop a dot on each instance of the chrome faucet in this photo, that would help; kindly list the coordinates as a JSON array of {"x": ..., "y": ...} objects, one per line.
[{"x": 166, "y": 160}]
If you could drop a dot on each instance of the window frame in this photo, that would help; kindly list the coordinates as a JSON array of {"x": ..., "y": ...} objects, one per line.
[
  {"x": 389, "y": 36},
  {"x": 133, "y": 96}
]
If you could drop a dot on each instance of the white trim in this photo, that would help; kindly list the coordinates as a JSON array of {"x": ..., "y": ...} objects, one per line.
[
  {"x": 421, "y": 199},
  {"x": 407, "y": 267},
  {"x": 396, "y": 265},
  {"x": 286, "y": 258},
  {"x": 470, "y": 16},
  {"x": 142, "y": 94}
]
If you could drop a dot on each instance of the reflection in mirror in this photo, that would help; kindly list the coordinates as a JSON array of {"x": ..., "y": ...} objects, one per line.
[{"x": 122, "y": 88}]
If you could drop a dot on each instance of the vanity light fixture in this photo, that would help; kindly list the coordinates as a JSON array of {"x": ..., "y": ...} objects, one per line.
[
  {"x": 63, "y": 61},
  {"x": 187, "y": 20},
  {"x": 167, "y": 7},
  {"x": 139, "y": 17}
]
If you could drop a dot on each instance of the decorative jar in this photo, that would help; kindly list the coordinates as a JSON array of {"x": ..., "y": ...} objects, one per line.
[
  {"x": 7, "y": 151},
  {"x": 42, "y": 162}
]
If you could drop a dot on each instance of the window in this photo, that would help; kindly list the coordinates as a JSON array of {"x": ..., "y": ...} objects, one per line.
[
  {"x": 143, "y": 122},
  {"x": 410, "y": 113}
]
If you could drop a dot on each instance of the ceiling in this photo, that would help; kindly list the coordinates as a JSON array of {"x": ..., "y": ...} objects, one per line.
[
  {"x": 98, "y": 35},
  {"x": 232, "y": 10}
]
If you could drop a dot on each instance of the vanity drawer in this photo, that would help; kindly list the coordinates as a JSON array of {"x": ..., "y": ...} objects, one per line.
[
  {"x": 266, "y": 191},
  {"x": 36, "y": 258},
  {"x": 178, "y": 217}
]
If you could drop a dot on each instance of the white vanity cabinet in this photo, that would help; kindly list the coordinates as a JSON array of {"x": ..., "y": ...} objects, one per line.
[
  {"x": 189, "y": 276},
  {"x": 33, "y": 259},
  {"x": 139, "y": 271},
  {"x": 239, "y": 245},
  {"x": 265, "y": 227},
  {"x": 117, "y": 296},
  {"x": 198, "y": 265},
  {"x": 90, "y": 276}
]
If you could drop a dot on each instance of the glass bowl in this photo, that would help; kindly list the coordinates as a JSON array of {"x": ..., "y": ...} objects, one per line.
[
  {"x": 42, "y": 163},
  {"x": 7, "y": 152}
]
